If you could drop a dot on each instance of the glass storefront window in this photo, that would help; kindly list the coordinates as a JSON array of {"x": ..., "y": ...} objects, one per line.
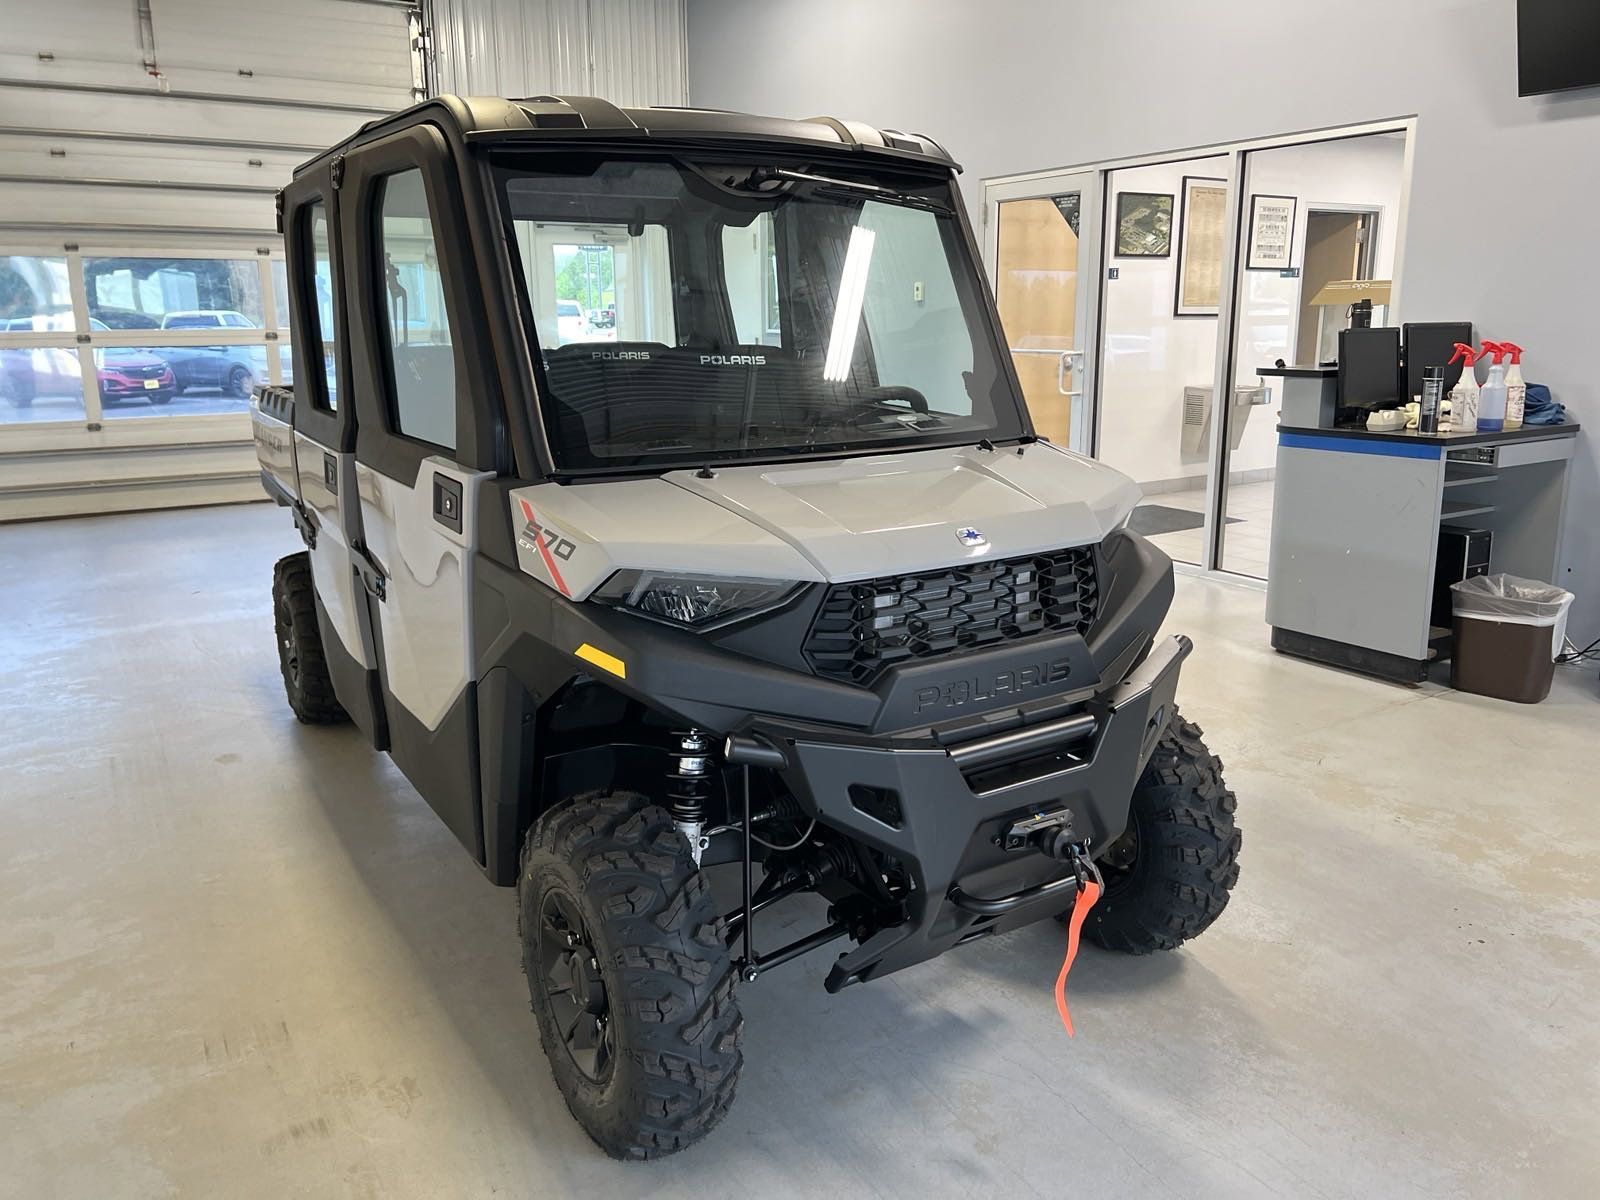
[
  {"x": 40, "y": 383},
  {"x": 34, "y": 294},
  {"x": 140, "y": 381},
  {"x": 193, "y": 334},
  {"x": 174, "y": 293},
  {"x": 280, "y": 292}
]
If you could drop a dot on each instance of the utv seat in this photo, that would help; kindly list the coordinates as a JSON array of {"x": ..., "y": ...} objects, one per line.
[{"x": 674, "y": 399}]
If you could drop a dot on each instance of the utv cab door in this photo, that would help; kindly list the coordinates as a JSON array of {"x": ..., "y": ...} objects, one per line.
[
  {"x": 324, "y": 444},
  {"x": 422, "y": 451}
]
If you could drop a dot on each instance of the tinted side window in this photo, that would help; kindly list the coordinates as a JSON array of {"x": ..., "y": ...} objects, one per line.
[
  {"x": 326, "y": 327},
  {"x": 423, "y": 371}
]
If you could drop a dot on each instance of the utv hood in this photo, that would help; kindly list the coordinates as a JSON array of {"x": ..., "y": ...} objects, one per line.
[
  {"x": 855, "y": 518},
  {"x": 859, "y": 518}
]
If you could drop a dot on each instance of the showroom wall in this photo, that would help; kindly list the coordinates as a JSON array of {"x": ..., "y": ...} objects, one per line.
[{"x": 1501, "y": 224}]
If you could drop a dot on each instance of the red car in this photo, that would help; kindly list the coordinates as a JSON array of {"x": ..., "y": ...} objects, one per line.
[
  {"x": 124, "y": 374},
  {"x": 129, "y": 374}
]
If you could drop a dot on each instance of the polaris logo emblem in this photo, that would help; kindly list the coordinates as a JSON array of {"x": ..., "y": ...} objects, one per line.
[
  {"x": 733, "y": 360},
  {"x": 620, "y": 356},
  {"x": 977, "y": 689},
  {"x": 968, "y": 536}
]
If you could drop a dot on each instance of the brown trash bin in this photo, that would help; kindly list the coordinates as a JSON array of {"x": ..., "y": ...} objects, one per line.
[
  {"x": 1507, "y": 632},
  {"x": 1496, "y": 658}
]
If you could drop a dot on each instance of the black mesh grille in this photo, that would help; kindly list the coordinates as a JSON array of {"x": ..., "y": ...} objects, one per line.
[{"x": 866, "y": 626}]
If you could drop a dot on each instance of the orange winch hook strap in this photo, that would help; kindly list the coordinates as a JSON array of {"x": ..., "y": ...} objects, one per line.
[{"x": 1087, "y": 895}]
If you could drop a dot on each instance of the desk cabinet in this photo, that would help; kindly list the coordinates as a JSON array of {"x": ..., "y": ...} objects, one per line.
[{"x": 1355, "y": 533}]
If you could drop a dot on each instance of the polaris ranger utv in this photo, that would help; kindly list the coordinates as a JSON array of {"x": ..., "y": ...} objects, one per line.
[{"x": 767, "y": 571}]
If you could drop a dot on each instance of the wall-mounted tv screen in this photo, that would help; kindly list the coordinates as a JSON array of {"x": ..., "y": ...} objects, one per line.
[{"x": 1558, "y": 45}]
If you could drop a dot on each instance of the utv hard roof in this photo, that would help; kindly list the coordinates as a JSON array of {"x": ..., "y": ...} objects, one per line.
[{"x": 580, "y": 118}]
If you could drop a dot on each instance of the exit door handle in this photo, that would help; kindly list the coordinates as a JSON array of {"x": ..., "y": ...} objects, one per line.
[
  {"x": 447, "y": 501},
  {"x": 1064, "y": 367}
]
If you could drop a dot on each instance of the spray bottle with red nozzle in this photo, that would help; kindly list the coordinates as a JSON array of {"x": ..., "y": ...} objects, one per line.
[
  {"x": 1492, "y": 396},
  {"x": 1464, "y": 396},
  {"x": 1516, "y": 386}
]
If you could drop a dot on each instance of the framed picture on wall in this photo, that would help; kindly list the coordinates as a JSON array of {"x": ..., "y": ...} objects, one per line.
[
  {"x": 1144, "y": 224},
  {"x": 1271, "y": 233},
  {"x": 1200, "y": 228}
]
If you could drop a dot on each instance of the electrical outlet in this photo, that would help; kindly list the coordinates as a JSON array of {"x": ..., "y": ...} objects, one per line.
[{"x": 916, "y": 291}]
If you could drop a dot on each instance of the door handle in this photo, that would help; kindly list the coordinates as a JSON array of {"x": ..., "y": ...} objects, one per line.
[
  {"x": 447, "y": 501},
  {"x": 1064, "y": 365}
]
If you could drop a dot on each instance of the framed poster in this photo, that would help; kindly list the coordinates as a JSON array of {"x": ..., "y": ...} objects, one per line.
[
  {"x": 1271, "y": 233},
  {"x": 1144, "y": 224},
  {"x": 1200, "y": 226}
]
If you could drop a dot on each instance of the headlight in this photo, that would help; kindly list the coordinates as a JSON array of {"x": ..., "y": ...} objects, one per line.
[{"x": 693, "y": 601}]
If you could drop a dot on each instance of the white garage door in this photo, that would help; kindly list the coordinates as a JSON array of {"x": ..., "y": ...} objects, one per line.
[{"x": 141, "y": 144}]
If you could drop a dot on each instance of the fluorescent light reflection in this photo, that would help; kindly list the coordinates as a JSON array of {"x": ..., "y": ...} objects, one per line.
[{"x": 847, "y": 308}]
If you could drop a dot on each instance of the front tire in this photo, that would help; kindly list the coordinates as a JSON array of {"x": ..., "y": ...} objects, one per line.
[
  {"x": 1168, "y": 877},
  {"x": 632, "y": 986},
  {"x": 305, "y": 668},
  {"x": 239, "y": 380}
]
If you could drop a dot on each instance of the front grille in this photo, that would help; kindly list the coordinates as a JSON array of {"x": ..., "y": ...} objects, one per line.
[{"x": 866, "y": 626}]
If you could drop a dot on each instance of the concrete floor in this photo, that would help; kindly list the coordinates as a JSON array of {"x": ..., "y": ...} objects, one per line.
[{"x": 242, "y": 959}]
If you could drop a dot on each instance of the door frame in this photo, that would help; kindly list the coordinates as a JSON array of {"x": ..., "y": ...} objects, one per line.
[
  {"x": 1368, "y": 250},
  {"x": 1080, "y": 362},
  {"x": 1048, "y": 182}
]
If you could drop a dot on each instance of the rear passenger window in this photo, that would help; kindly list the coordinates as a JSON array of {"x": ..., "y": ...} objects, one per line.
[
  {"x": 750, "y": 268},
  {"x": 423, "y": 369},
  {"x": 326, "y": 328}
]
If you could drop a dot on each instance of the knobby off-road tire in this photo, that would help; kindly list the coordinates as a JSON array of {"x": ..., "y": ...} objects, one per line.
[
  {"x": 612, "y": 910},
  {"x": 305, "y": 669},
  {"x": 1168, "y": 877}
]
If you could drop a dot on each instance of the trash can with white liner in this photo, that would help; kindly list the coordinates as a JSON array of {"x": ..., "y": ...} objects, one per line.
[{"x": 1508, "y": 632}]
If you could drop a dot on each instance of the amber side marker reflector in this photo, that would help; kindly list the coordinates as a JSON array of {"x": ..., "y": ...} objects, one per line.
[{"x": 606, "y": 662}]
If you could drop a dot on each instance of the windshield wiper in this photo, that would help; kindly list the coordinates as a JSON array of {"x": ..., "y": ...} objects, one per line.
[{"x": 828, "y": 182}]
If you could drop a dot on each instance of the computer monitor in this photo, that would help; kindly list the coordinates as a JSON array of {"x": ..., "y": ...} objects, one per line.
[
  {"x": 1369, "y": 368},
  {"x": 1431, "y": 344}
]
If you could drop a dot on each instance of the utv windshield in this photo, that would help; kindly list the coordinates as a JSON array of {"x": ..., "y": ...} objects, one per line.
[{"x": 695, "y": 312}]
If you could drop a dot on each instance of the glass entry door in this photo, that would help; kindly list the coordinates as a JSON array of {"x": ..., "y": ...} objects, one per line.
[
  {"x": 1043, "y": 250},
  {"x": 1167, "y": 232}
]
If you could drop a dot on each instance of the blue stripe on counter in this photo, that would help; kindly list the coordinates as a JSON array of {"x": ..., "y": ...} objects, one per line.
[{"x": 1358, "y": 445}]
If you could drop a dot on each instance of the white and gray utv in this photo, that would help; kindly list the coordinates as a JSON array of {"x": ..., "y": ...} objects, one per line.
[{"x": 672, "y": 511}]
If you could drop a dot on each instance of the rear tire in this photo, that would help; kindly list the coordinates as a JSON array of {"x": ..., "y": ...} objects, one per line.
[
  {"x": 305, "y": 668},
  {"x": 1168, "y": 877},
  {"x": 239, "y": 380},
  {"x": 631, "y": 983}
]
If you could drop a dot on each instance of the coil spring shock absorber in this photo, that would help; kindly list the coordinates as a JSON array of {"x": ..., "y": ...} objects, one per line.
[{"x": 689, "y": 786}]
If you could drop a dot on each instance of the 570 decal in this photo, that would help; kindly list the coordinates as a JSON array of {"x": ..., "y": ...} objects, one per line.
[{"x": 548, "y": 543}]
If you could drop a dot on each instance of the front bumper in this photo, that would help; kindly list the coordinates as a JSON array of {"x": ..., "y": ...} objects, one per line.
[{"x": 951, "y": 805}]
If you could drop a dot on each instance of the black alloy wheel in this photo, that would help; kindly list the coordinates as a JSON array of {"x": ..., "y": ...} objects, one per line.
[
  {"x": 288, "y": 646},
  {"x": 570, "y": 974}
]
